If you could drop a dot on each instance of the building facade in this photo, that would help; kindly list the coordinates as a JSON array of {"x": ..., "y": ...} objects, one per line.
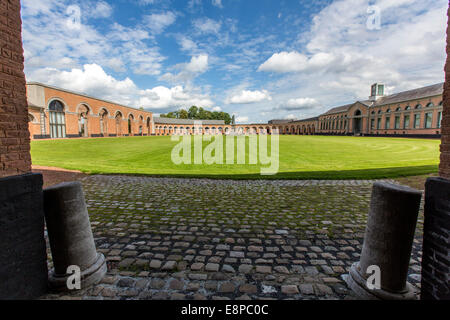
[
  {"x": 59, "y": 113},
  {"x": 413, "y": 113}
]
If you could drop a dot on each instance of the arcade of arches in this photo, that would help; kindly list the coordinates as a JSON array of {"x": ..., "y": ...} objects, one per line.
[{"x": 58, "y": 113}]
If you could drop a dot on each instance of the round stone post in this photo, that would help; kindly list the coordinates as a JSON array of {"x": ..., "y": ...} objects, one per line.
[
  {"x": 387, "y": 243},
  {"x": 70, "y": 236}
]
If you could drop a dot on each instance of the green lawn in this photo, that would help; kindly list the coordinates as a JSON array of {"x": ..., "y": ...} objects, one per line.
[{"x": 301, "y": 157}]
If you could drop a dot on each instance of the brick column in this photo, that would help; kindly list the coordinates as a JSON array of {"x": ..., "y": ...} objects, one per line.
[
  {"x": 14, "y": 136},
  {"x": 436, "y": 233},
  {"x": 445, "y": 146}
]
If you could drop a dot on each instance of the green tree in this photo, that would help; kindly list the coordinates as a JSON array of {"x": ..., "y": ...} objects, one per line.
[
  {"x": 193, "y": 112},
  {"x": 183, "y": 114}
]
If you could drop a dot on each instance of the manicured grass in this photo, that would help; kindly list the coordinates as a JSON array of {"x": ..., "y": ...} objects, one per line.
[{"x": 301, "y": 157}]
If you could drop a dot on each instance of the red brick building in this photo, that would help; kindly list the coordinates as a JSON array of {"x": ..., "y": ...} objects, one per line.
[
  {"x": 414, "y": 113},
  {"x": 59, "y": 113}
]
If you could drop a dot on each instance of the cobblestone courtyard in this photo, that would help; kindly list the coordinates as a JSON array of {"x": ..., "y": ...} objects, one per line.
[{"x": 205, "y": 239}]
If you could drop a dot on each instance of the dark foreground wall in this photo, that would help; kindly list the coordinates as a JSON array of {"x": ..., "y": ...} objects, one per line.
[
  {"x": 436, "y": 253},
  {"x": 14, "y": 136},
  {"x": 23, "y": 257},
  {"x": 436, "y": 239}
]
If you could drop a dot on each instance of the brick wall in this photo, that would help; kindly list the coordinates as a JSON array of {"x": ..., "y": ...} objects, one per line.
[
  {"x": 14, "y": 137},
  {"x": 436, "y": 234},
  {"x": 436, "y": 252},
  {"x": 445, "y": 146}
]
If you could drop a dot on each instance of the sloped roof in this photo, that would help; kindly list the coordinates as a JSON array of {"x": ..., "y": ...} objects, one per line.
[
  {"x": 339, "y": 109},
  {"x": 424, "y": 92},
  {"x": 306, "y": 120},
  {"x": 280, "y": 121},
  {"x": 186, "y": 121}
]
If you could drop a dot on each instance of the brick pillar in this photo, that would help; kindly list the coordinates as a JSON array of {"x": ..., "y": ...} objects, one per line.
[
  {"x": 14, "y": 136},
  {"x": 445, "y": 146},
  {"x": 436, "y": 233}
]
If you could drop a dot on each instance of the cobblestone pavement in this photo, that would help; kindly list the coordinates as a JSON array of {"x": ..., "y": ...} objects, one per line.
[{"x": 205, "y": 239}]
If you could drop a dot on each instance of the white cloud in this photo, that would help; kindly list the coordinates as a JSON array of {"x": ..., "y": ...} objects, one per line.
[
  {"x": 338, "y": 59},
  {"x": 158, "y": 22},
  {"x": 101, "y": 9},
  {"x": 197, "y": 65},
  {"x": 177, "y": 97},
  {"x": 247, "y": 96},
  {"x": 217, "y": 109},
  {"x": 300, "y": 104},
  {"x": 285, "y": 62},
  {"x": 217, "y": 3},
  {"x": 56, "y": 42},
  {"x": 206, "y": 25},
  {"x": 242, "y": 119},
  {"x": 93, "y": 80},
  {"x": 187, "y": 44}
]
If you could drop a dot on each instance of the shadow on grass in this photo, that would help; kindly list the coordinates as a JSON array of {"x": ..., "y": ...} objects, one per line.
[{"x": 366, "y": 174}]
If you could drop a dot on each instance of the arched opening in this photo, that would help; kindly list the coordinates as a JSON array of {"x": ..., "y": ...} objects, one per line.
[
  {"x": 148, "y": 126},
  {"x": 57, "y": 120},
  {"x": 357, "y": 122},
  {"x": 103, "y": 122},
  {"x": 83, "y": 112},
  {"x": 130, "y": 124},
  {"x": 119, "y": 124}
]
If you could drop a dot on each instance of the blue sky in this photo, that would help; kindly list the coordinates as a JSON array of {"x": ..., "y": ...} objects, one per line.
[{"x": 257, "y": 59}]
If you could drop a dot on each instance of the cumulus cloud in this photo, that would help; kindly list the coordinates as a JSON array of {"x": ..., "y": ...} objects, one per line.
[
  {"x": 157, "y": 22},
  {"x": 299, "y": 104},
  {"x": 247, "y": 97},
  {"x": 197, "y": 65},
  {"x": 101, "y": 9},
  {"x": 242, "y": 119},
  {"x": 217, "y": 3},
  {"x": 57, "y": 42},
  {"x": 177, "y": 97},
  {"x": 341, "y": 56},
  {"x": 284, "y": 62},
  {"x": 207, "y": 26},
  {"x": 93, "y": 80},
  {"x": 187, "y": 44}
]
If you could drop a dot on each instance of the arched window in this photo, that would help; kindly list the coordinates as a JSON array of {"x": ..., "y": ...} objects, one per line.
[
  {"x": 398, "y": 109},
  {"x": 103, "y": 121},
  {"x": 418, "y": 107},
  {"x": 388, "y": 111},
  {"x": 408, "y": 108},
  {"x": 57, "y": 119},
  {"x": 430, "y": 105}
]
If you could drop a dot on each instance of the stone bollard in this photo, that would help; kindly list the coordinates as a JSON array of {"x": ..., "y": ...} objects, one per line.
[
  {"x": 70, "y": 235},
  {"x": 387, "y": 243}
]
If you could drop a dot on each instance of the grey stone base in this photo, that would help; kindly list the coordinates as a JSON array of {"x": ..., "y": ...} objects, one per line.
[
  {"x": 357, "y": 283},
  {"x": 92, "y": 275}
]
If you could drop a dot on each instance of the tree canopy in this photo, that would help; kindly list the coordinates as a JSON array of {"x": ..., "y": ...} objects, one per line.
[{"x": 196, "y": 113}]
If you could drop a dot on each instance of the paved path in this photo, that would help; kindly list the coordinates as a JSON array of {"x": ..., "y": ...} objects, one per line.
[{"x": 205, "y": 239}]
